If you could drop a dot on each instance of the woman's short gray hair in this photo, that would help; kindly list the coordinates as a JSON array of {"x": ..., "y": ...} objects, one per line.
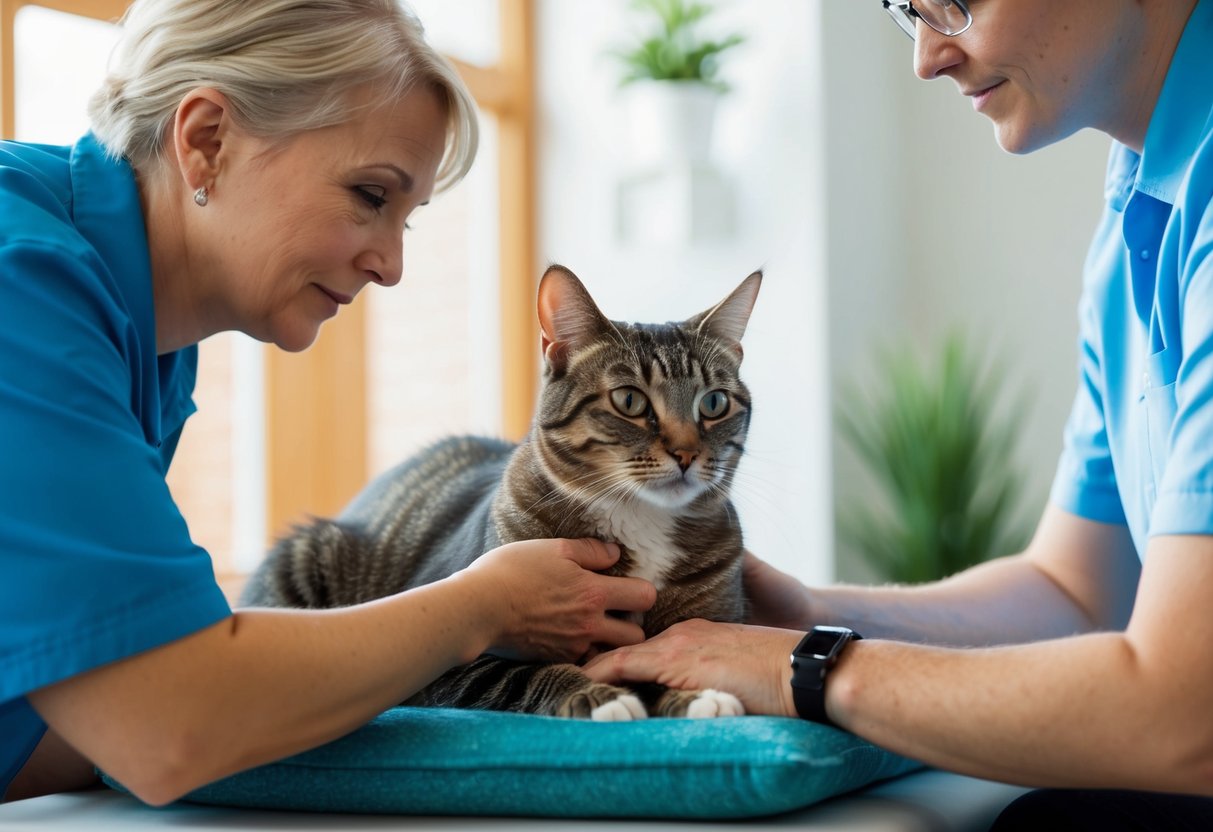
[{"x": 285, "y": 66}]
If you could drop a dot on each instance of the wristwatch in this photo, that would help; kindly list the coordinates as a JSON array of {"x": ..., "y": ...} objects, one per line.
[{"x": 812, "y": 661}]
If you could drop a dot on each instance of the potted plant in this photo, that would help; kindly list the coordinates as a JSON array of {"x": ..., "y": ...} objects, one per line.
[
  {"x": 671, "y": 76},
  {"x": 941, "y": 462}
]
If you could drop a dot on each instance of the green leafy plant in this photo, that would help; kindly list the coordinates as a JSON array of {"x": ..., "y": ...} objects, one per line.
[
  {"x": 931, "y": 443},
  {"x": 672, "y": 50}
]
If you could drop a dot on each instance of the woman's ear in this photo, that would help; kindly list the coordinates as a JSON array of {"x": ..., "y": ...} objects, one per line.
[{"x": 200, "y": 128}]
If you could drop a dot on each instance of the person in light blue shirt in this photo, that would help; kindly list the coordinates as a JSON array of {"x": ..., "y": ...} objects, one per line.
[
  {"x": 1102, "y": 677},
  {"x": 250, "y": 167}
]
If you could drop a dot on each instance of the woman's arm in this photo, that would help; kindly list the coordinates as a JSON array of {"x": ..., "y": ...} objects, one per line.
[
  {"x": 53, "y": 767},
  {"x": 265, "y": 684}
]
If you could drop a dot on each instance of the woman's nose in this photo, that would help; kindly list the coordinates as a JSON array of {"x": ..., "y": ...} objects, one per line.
[{"x": 384, "y": 264}]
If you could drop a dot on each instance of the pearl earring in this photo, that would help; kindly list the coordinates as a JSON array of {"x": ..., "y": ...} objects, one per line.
[{"x": 201, "y": 197}]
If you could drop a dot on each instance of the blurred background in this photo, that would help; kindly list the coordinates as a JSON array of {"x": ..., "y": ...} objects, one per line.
[{"x": 884, "y": 215}]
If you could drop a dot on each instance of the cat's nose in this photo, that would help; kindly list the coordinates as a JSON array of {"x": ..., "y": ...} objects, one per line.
[{"x": 684, "y": 458}]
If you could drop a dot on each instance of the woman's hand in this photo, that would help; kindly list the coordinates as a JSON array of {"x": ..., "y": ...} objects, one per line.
[
  {"x": 776, "y": 598},
  {"x": 551, "y": 604},
  {"x": 752, "y": 663}
]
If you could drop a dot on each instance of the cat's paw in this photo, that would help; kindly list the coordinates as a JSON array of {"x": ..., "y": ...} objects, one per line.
[
  {"x": 626, "y": 708},
  {"x": 709, "y": 704},
  {"x": 603, "y": 703}
]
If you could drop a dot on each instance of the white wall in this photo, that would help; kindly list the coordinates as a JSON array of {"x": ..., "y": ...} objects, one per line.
[
  {"x": 879, "y": 206},
  {"x": 768, "y": 145},
  {"x": 932, "y": 226}
]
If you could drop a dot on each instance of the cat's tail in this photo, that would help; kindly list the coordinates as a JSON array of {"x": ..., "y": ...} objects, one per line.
[{"x": 304, "y": 569}]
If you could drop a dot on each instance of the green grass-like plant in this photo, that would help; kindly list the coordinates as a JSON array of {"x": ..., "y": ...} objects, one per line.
[
  {"x": 930, "y": 441},
  {"x": 673, "y": 51}
]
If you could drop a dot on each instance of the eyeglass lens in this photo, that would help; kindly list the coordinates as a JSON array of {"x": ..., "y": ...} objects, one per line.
[{"x": 948, "y": 17}]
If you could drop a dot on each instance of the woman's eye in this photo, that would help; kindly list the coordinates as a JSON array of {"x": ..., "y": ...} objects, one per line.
[
  {"x": 370, "y": 196},
  {"x": 629, "y": 401},
  {"x": 714, "y": 404}
]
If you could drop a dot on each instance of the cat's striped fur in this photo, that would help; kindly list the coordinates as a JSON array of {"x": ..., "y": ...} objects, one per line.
[{"x": 637, "y": 438}]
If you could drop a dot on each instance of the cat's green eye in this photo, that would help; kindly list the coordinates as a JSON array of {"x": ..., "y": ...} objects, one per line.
[
  {"x": 714, "y": 404},
  {"x": 629, "y": 401}
]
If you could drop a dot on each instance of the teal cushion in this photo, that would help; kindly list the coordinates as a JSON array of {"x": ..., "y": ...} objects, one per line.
[{"x": 440, "y": 761}]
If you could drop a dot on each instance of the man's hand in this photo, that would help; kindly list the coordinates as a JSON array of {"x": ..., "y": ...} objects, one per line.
[{"x": 752, "y": 663}]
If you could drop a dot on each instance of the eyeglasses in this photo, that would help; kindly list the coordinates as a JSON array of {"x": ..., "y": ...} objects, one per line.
[{"x": 948, "y": 17}]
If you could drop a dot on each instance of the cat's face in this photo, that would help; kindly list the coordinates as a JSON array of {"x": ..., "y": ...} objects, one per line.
[{"x": 655, "y": 412}]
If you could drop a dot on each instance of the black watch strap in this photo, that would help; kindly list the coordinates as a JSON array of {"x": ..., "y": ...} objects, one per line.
[{"x": 812, "y": 661}]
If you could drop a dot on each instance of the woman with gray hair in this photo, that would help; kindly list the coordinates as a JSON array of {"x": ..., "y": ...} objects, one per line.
[{"x": 250, "y": 167}]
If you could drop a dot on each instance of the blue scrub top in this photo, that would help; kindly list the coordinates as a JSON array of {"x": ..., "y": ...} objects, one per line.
[
  {"x": 1139, "y": 441},
  {"x": 96, "y": 562}
]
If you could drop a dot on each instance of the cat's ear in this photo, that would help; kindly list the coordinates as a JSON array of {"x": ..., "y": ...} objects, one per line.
[
  {"x": 568, "y": 316},
  {"x": 727, "y": 320}
]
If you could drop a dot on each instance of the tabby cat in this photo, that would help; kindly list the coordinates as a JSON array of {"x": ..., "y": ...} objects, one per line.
[{"x": 637, "y": 438}]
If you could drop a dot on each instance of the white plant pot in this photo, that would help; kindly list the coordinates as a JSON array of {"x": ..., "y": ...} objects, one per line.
[{"x": 671, "y": 121}]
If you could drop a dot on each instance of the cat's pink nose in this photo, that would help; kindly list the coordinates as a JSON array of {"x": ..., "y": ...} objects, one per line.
[{"x": 685, "y": 458}]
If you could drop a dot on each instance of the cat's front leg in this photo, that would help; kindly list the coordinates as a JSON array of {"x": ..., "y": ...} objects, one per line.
[
  {"x": 492, "y": 683},
  {"x": 697, "y": 704},
  {"x": 603, "y": 703},
  {"x": 564, "y": 690}
]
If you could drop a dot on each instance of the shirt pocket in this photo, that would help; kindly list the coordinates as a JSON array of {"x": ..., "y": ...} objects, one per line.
[{"x": 1160, "y": 413}]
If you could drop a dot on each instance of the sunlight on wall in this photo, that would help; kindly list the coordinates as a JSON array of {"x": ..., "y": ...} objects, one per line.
[
  {"x": 52, "y": 87},
  {"x": 465, "y": 29}
]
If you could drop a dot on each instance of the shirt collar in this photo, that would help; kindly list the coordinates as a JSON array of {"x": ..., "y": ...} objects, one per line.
[
  {"x": 1182, "y": 118},
  {"x": 107, "y": 211}
]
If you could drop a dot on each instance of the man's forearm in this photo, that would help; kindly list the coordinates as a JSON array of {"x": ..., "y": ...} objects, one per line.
[
  {"x": 1003, "y": 601},
  {"x": 1081, "y": 712}
]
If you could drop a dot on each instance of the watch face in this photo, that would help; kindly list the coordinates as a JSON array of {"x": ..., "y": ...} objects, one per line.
[
  {"x": 819, "y": 644},
  {"x": 823, "y": 643}
]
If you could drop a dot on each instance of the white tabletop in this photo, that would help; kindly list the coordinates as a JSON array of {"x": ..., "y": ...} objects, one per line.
[{"x": 925, "y": 801}]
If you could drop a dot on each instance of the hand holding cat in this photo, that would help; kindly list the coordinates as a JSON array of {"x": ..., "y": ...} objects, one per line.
[
  {"x": 747, "y": 661},
  {"x": 551, "y": 603}
]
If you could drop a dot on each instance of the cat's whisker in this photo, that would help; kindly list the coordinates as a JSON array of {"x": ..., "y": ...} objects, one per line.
[
  {"x": 761, "y": 505},
  {"x": 621, "y": 483},
  {"x": 579, "y": 485},
  {"x": 758, "y": 502},
  {"x": 574, "y": 492},
  {"x": 772, "y": 457},
  {"x": 754, "y": 480},
  {"x": 629, "y": 489}
]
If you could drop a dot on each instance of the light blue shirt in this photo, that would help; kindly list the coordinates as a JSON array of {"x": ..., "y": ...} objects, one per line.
[
  {"x": 96, "y": 563},
  {"x": 1139, "y": 441}
]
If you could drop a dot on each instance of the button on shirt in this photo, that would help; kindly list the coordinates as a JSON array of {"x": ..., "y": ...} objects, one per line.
[
  {"x": 96, "y": 561},
  {"x": 1139, "y": 441}
]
